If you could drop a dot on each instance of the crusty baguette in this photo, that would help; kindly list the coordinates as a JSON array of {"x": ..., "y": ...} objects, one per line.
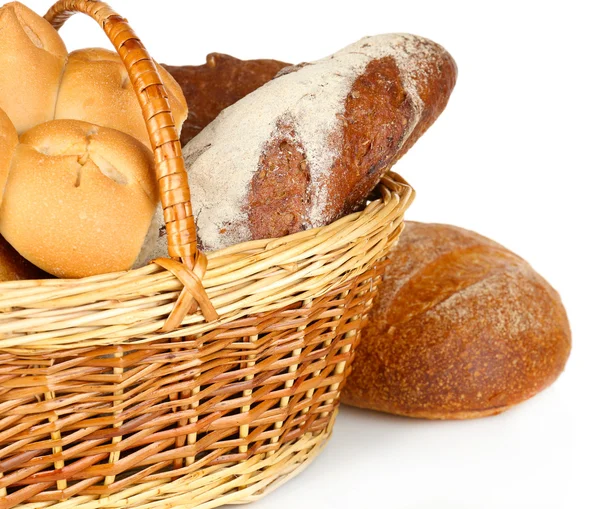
[
  {"x": 307, "y": 147},
  {"x": 461, "y": 328},
  {"x": 217, "y": 84}
]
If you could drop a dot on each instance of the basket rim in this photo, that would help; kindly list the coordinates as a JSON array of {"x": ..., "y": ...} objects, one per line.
[{"x": 248, "y": 278}]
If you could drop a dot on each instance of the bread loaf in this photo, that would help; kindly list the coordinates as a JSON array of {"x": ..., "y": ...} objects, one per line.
[
  {"x": 95, "y": 88},
  {"x": 307, "y": 147},
  {"x": 32, "y": 58},
  {"x": 461, "y": 328},
  {"x": 212, "y": 87},
  {"x": 79, "y": 198}
]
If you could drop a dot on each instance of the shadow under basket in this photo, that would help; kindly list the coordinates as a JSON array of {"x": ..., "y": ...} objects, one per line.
[{"x": 105, "y": 401}]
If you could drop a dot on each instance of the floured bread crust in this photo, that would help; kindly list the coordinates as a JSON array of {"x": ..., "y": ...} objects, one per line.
[
  {"x": 307, "y": 147},
  {"x": 217, "y": 84}
]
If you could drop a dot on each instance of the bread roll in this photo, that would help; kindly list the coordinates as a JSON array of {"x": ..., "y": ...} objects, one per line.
[
  {"x": 95, "y": 88},
  {"x": 9, "y": 139},
  {"x": 308, "y": 147},
  {"x": 32, "y": 59},
  {"x": 461, "y": 328},
  {"x": 12, "y": 265},
  {"x": 212, "y": 87},
  {"x": 79, "y": 198}
]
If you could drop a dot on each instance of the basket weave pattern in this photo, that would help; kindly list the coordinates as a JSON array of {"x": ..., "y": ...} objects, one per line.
[
  {"x": 115, "y": 393},
  {"x": 93, "y": 421}
]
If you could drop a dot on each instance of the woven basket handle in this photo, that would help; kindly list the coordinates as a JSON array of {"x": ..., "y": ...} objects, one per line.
[{"x": 170, "y": 170}]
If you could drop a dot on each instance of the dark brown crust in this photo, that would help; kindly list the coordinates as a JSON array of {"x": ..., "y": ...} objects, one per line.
[
  {"x": 434, "y": 94},
  {"x": 377, "y": 118},
  {"x": 212, "y": 87},
  {"x": 279, "y": 189},
  {"x": 13, "y": 266},
  {"x": 462, "y": 328}
]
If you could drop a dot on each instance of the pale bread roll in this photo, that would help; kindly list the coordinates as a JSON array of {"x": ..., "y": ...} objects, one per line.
[
  {"x": 9, "y": 140},
  {"x": 32, "y": 59},
  {"x": 79, "y": 198},
  {"x": 96, "y": 88}
]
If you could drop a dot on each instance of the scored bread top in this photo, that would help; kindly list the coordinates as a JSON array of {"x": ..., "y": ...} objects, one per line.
[
  {"x": 461, "y": 327},
  {"x": 96, "y": 88},
  {"x": 79, "y": 198},
  {"x": 305, "y": 107},
  {"x": 41, "y": 81}
]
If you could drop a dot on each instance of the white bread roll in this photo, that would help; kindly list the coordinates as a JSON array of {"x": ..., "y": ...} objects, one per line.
[
  {"x": 8, "y": 143},
  {"x": 96, "y": 88},
  {"x": 32, "y": 59},
  {"x": 12, "y": 265},
  {"x": 79, "y": 198}
]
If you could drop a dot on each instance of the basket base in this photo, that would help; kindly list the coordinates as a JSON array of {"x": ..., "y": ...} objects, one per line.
[{"x": 238, "y": 483}]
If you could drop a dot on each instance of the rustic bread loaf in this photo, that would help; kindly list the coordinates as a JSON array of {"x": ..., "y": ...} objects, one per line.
[
  {"x": 32, "y": 58},
  {"x": 95, "y": 88},
  {"x": 461, "y": 328},
  {"x": 308, "y": 147},
  {"x": 220, "y": 82},
  {"x": 79, "y": 198}
]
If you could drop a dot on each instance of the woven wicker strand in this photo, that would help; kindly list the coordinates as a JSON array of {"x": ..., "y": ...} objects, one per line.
[
  {"x": 113, "y": 393},
  {"x": 164, "y": 139}
]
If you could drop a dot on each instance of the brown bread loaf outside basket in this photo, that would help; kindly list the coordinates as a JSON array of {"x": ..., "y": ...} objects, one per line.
[
  {"x": 461, "y": 328},
  {"x": 324, "y": 134}
]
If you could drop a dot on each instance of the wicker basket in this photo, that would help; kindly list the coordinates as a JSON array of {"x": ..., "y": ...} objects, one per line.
[{"x": 116, "y": 391}]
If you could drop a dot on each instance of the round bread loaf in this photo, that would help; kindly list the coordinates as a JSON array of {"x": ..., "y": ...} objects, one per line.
[
  {"x": 32, "y": 58},
  {"x": 307, "y": 147},
  {"x": 461, "y": 328},
  {"x": 79, "y": 198},
  {"x": 95, "y": 88}
]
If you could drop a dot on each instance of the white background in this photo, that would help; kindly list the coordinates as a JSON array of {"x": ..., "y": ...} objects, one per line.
[{"x": 514, "y": 157}]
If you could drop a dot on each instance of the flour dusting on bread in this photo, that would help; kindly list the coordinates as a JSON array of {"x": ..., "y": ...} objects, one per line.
[{"x": 222, "y": 160}]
